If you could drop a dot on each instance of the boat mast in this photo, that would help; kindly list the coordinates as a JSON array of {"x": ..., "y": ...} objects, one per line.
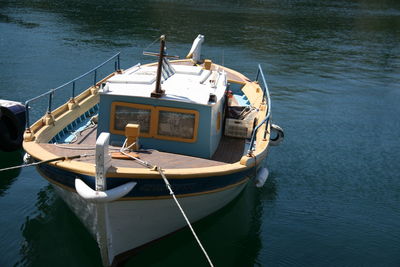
[{"x": 158, "y": 92}]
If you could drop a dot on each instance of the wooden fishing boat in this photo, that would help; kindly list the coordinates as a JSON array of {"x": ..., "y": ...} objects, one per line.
[{"x": 119, "y": 152}]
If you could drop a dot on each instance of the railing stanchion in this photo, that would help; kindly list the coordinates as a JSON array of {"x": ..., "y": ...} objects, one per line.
[
  {"x": 266, "y": 128},
  {"x": 73, "y": 89},
  {"x": 50, "y": 101},
  {"x": 27, "y": 124},
  {"x": 119, "y": 62},
  {"x": 258, "y": 73},
  {"x": 95, "y": 77}
]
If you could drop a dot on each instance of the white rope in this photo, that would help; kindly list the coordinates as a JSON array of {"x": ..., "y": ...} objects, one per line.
[
  {"x": 68, "y": 146},
  {"x": 46, "y": 161},
  {"x": 184, "y": 215},
  {"x": 168, "y": 185},
  {"x": 20, "y": 166},
  {"x": 88, "y": 125},
  {"x": 144, "y": 163}
]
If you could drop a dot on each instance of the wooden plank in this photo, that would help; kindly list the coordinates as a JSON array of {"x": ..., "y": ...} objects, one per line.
[
  {"x": 230, "y": 150},
  {"x": 254, "y": 93},
  {"x": 119, "y": 155}
]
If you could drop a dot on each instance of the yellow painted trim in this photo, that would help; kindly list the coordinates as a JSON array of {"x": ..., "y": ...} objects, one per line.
[
  {"x": 178, "y": 173},
  {"x": 154, "y": 117},
  {"x": 178, "y": 110},
  {"x": 136, "y": 106},
  {"x": 40, "y": 153},
  {"x": 237, "y": 82}
]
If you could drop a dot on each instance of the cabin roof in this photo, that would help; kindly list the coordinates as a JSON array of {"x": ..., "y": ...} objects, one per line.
[{"x": 191, "y": 84}]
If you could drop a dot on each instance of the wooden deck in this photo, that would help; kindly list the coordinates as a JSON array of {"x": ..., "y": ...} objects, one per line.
[{"x": 230, "y": 150}]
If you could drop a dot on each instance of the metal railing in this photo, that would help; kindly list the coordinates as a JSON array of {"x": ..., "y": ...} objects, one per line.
[
  {"x": 266, "y": 95},
  {"x": 51, "y": 92}
]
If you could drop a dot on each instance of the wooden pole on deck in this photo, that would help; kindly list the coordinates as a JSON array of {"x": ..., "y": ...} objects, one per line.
[{"x": 158, "y": 92}]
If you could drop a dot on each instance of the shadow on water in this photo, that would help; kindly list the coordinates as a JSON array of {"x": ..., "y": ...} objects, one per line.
[
  {"x": 9, "y": 159},
  {"x": 54, "y": 236}
]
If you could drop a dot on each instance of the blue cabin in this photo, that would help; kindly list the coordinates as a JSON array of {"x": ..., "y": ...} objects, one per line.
[{"x": 187, "y": 119}]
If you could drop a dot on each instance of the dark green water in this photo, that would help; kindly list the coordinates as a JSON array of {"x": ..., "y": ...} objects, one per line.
[{"x": 333, "y": 67}]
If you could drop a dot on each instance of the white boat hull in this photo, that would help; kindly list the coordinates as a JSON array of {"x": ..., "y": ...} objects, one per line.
[{"x": 121, "y": 226}]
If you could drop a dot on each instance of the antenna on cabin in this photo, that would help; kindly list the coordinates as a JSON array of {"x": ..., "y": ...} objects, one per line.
[
  {"x": 162, "y": 63},
  {"x": 158, "y": 92}
]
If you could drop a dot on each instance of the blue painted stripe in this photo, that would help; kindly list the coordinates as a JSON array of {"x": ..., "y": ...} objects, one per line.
[{"x": 148, "y": 187}]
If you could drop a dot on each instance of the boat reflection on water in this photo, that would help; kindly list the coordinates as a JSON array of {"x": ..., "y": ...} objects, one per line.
[
  {"x": 231, "y": 236},
  {"x": 53, "y": 235},
  {"x": 9, "y": 159}
]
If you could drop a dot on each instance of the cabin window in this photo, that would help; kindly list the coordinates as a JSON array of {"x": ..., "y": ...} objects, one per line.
[
  {"x": 157, "y": 122},
  {"x": 124, "y": 113},
  {"x": 176, "y": 124}
]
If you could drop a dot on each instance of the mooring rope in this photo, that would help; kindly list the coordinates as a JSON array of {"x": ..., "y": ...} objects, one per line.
[
  {"x": 46, "y": 161},
  {"x": 184, "y": 215},
  {"x": 68, "y": 146},
  {"x": 168, "y": 185}
]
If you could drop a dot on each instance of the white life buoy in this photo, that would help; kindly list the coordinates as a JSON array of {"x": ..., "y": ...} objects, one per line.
[{"x": 278, "y": 135}]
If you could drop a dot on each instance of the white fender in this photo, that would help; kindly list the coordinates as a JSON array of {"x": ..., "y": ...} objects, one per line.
[
  {"x": 91, "y": 195},
  {"x": 195, "y": 51},
  {"x": 261, "y": 177}
]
